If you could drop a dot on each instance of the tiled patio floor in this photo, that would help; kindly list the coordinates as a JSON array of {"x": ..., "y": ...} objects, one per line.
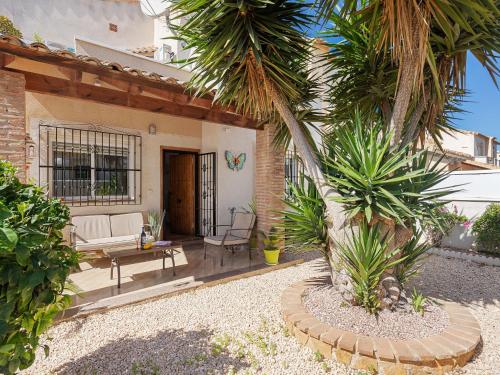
[{"x": 143, "y": 276}]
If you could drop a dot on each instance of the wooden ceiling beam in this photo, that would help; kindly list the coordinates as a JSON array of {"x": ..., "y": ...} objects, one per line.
[
  {"x": 62, "y": 87},
  {"x": 6, "y": 59},
  {"x": 160, "y": 88},
  {"x": 71, "y": 74}
]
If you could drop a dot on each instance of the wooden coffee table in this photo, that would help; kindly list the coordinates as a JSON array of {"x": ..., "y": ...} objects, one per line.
[{"x": 119, "y": 252}]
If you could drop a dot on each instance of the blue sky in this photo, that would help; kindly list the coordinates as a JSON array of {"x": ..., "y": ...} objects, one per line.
[{"x": 483, "y": 103}]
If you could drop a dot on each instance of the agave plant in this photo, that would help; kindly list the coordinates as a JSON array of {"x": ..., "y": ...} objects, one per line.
[
  {"x": 412, "y": 254},
  {"x": 374, "y": 179},
  {"x": 366, "y": 258},
  {"x": 304, "y": 218}
]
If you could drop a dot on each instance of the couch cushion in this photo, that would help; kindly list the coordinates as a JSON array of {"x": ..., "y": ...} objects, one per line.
[
  {"x": 126, "y": 224},
  {"x": 91, "y": 226},
  {"x": 100, "y": 243}
]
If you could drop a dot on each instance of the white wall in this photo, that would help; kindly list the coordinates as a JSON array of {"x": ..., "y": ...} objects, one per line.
[
  {"x": 235, "y": 188},
  {"x": 171, "y": 132},
  {"x": 61, "y": 20},
  {"x": 479, "y": 190},
  {"x": 461, "y": 142},
  {"x": 124, "y": 58}
]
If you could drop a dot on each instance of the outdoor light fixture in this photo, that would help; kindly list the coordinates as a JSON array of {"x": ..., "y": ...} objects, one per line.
[
  {"x": 152, "y": 129},
  {"x": 30, "y": 149}
]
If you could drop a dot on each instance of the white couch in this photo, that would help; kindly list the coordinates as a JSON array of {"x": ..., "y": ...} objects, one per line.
[{"x": 94, "y": 232}]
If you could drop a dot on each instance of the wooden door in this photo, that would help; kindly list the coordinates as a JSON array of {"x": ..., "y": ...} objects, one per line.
[{"x": 182, "y": 194}]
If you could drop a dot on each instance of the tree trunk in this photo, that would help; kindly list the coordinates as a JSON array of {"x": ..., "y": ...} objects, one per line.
[
  {"x": 335, "y": 212},
  {"x": 403, "y": 96},
  {"x": 411, "y": 129},
  {"x": 406, "y": 84}
]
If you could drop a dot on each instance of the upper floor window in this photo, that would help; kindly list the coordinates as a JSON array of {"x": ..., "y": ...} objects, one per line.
[{"x": 479, "y": 147}]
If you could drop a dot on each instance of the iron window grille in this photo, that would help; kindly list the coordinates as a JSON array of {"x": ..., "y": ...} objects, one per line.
[
  {"x": 88, "y": 165},
  {"x": 293, "y": 169}
]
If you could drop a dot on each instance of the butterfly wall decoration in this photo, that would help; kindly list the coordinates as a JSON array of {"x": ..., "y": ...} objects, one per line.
[{"x": 234, "y": 162}]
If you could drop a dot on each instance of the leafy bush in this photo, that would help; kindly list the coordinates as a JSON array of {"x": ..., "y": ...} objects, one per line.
[
  {"x": 444, "y": 221},
  {"x": 366, "y": 258},
  {"x": 8, "y": 28},
  {"x": 34, "y": 266},
  {"x": 374, "y": 179},
  {"x": 487, "y": 229}
]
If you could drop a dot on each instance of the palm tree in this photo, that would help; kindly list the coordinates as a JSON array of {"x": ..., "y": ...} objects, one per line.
[
  {"x": 255, "y": 53},
  {"x": 428, "y": 41}
]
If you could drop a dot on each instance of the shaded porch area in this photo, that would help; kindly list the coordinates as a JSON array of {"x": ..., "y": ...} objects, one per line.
[{"x": 143, "y": 277}]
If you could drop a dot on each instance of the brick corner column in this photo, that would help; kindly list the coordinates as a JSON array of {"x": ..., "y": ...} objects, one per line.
[
  {"x": 13, "y": 120},
  {"x": 269, "y": 179}
]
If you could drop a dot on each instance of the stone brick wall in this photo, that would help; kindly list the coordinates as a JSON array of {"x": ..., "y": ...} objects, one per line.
[
  {"x": 269, "y": 178},
  {"x": 12, "y": 120}
]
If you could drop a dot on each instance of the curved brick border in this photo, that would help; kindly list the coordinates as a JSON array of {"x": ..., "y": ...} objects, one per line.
[{"x": 437, "y": 354}]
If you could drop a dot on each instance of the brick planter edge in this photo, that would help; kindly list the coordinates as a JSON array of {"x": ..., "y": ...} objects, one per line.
[{"x": 437, "y": 354}]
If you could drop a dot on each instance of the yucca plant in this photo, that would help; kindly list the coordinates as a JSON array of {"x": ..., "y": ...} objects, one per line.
[
  {"x": 304, "y": 218},
  {"x": 366, "y": 258},
  {"x": 373, "y": 179},
  {"x": 412, "y": 254}
]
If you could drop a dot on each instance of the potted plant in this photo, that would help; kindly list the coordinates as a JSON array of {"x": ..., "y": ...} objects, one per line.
[{"x": 271, "y": 249}]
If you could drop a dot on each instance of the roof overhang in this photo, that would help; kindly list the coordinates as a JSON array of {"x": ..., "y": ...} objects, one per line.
[{"x": 125, "y": 86}]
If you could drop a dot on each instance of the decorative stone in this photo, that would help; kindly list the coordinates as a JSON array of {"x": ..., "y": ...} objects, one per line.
[
  {"x": 343, "y": 356},
  {"x": 332, "y": 336},
  {"x": 319, "y": 346},
  {"x": 348, "y": 342},
  {"x": 366, "y": 363}
]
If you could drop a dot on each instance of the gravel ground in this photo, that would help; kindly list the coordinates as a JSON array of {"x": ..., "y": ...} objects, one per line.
[
  {"x": 236, "y": 328},
  {"x": 326, "y": 304}
]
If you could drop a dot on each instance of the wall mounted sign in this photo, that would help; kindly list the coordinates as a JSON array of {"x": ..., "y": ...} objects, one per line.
[{"x": 235, "y": 162}]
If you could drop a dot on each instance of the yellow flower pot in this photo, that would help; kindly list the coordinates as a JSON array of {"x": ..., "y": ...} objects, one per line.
[{"x": 271, "y": 256}]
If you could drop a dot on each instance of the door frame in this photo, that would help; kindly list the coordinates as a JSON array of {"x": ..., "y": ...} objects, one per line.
[{"x": 181, "y": 150}]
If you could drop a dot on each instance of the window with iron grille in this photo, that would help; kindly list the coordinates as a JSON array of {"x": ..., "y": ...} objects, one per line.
[
  {"x": 90, "y": 166},
  {"x": 293, "y": 169}
]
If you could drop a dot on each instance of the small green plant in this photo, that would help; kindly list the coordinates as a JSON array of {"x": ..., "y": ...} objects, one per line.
[
  {"x": 366, "y": 258},
  {"x": 325, "y": 367},
  {"x": 271, "y": 239},
  {"x": 220, "y": 344},
  {"x": 155, "y": 221},
  {"x": 487, "y": 230},
  {"x": 8, "y": 28},
  {"x": 418, "y": 301},
  {"x": 34, "y": 266},
  {"x": 318, "y": 357}
]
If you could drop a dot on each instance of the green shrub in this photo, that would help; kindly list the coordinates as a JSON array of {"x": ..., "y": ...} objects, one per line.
[
  {"x": 487, "y": 229},
  {"x": 8, "y": 28},
  {"x": 34, "y": 266},
  {"x": 366, "y": 258}
]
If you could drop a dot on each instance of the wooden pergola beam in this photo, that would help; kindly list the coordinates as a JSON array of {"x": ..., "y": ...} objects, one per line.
[{"x": 73, "y": 89}]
